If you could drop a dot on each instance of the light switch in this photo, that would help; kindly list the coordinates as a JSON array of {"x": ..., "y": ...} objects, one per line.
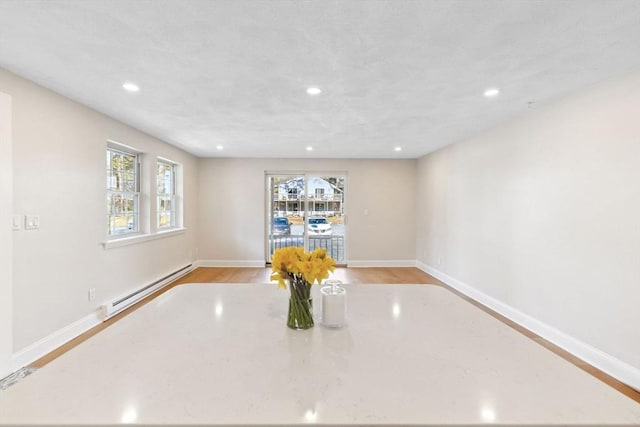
[
  {"x": 17, "y": 222},
  {"x": 31, "y": 222}
]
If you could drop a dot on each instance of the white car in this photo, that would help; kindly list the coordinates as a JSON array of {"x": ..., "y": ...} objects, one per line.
[{"x": 319, "y": 226}]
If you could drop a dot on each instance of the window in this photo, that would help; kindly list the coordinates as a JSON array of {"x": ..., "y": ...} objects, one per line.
[
  {"x": 123, "y": 192},
  {"x": 166, "y": 182},
  {"x": 319, "y": 193},
  {"x": 131, "y": 190}
]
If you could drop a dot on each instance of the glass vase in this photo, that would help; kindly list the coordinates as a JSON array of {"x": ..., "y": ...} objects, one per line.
[{"x": 300, "y": 314}]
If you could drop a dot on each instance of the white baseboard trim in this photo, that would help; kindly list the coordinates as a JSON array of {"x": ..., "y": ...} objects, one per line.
[
  {"x": 229, "y": 263},
  {"x": 618, "y": 369},
  {"x": 383, "y": 263},
  {"x": 51, "y": 342},
  {"x": 261, "y": 263},
  {"x": 40, "y": 348}
]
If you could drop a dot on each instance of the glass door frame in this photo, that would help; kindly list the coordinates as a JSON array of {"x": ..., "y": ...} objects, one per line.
[{"x": 307, "y": 212}]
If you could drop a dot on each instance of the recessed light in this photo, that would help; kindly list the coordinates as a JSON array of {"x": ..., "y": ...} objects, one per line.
[
  {"x": 491, "y": 92},
  {"x": 219, "y": 147},
  {"x": 314, "y": 91},
  {"x": 131, "y": 87},
  {"x": 397, "y": 148},
  {"x": 309, "y": 148}
]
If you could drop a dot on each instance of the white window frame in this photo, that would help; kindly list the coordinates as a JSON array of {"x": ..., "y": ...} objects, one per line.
[
  {"x": 146, "y": 185},
  {"x": 171, "y": 196},
  {"x": 133, "y": 225}
]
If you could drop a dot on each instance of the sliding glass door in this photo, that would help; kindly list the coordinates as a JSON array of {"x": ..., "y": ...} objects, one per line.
[
  {"x": 306, "y": 210},
  {"x": 285, "y": 212}
]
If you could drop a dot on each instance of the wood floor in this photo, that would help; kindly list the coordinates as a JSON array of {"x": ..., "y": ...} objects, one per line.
[{"x": 379, "y": 275}]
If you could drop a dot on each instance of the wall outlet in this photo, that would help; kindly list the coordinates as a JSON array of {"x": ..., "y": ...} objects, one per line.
[
  {"x": 92, "y": 294},
  {"x": 439, "y": 260}
]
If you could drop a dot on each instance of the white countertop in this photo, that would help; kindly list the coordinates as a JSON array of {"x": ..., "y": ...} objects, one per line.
[{"x": 222, "y": 354}]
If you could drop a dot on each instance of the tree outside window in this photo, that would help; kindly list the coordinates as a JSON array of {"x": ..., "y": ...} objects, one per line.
[{"x": 122, "y": 193}]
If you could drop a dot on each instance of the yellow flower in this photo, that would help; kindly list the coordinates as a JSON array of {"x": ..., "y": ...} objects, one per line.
[
  {"x": 288, "y": 263},
  {"x": 281, "y": 283}
]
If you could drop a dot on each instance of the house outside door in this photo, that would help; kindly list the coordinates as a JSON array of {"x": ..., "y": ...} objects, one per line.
[{"x": 306, "y": 209}]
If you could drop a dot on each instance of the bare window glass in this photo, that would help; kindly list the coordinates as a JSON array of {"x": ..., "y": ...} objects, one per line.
[
  {"x": 166, "y": 190},
  {"x": 122, "y": 193}
]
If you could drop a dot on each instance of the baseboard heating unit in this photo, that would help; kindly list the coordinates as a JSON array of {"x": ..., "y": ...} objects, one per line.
[{"x": 114, "y": 307}]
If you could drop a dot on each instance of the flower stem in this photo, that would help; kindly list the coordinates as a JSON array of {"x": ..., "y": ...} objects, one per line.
[{"x": 300, "y": 305}]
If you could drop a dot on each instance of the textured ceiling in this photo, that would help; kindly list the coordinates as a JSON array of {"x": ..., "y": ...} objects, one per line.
[{"x": 393, "y": 73}]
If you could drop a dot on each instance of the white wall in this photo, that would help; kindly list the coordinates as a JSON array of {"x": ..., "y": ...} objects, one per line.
[
  {"x": 6, "y": 236},
  {"x": 59, "y": 173},
  {"x": 540, "y": 214},
  {"x": 232, "y": 207},
  {"x": 543, "y": 214}
]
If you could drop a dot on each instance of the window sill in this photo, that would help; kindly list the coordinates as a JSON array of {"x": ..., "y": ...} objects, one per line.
[{"x": 126, "y": 241}]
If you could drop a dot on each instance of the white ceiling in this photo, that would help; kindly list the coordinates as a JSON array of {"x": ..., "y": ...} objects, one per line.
[{"x": 393, "y": 73}]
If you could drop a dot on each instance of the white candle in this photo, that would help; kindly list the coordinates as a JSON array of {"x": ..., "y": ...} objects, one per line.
[{"x": 334, "y": 306}]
